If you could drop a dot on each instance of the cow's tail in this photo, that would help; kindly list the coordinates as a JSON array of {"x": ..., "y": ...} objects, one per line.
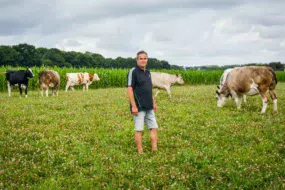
[{"x": 274, "y": 78}]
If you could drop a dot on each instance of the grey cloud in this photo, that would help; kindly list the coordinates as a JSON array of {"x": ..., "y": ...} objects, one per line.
[
  {"x": 181, "y": 32},
  {"x": 72, "y": 43}
]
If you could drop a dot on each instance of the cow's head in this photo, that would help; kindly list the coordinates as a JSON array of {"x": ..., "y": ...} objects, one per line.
[
  {"x": 29, "y": 73},
  {"x": 222, "y": 95},
  {"x": 95, "y": 77},
  {"x": 179, "y": 79}
]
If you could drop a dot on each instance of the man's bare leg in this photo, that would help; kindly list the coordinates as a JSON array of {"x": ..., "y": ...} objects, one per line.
[
  {"x": 153, "y": 138},
  {"x": 138, "y": 139}
]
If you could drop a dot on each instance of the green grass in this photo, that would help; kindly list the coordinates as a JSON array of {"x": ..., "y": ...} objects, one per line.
[{"x": 85, "y": 140}]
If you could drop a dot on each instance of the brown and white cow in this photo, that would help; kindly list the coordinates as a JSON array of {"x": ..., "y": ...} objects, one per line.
[
  {"x": 49, "y": 79},
  {"x": 84, "y": 79},
  {"x": 223, "y": 80},
  {"x": 249, "y": 80},
  {"x": 164, "y": 81}
]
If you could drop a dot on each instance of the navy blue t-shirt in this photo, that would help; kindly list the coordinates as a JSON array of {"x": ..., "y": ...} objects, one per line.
[{"x": 140, "y": 80}]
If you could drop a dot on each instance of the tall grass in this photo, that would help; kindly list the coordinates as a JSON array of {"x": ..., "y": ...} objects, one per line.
[{"x": 117, "y": 77}]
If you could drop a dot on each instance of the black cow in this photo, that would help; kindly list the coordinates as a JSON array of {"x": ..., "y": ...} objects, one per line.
[{"x": 20, "y": 78}]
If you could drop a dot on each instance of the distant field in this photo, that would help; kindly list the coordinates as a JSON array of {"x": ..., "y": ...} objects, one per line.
[{"x": 85, "y": 140}]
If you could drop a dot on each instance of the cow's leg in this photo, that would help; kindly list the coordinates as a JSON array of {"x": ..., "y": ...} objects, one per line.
[
  {"x": 46, "y": 92},
  {"x": 72, "y": 88},
  {"x": 56, "y": 91},
  {"x": 87, "y": 87},
  {"x": 42, "y": 90},
  {"x": 26, "y": 91},
  {"x": 66, "y": 87},
  {"x": 274, "y": 98},
  {"x": 237, "y": 99},
  {"x": 84, "y": 86},
  {"x": 9, "y": 89},
  {"x": 20, "y": 89},
  {"x": 157, "y": 92},
  {"x": 244, "y": 98},
  {"x": 167, "y": 88},
  {"x": 52, "y": 91},
  {"x": 263, "y": 94},
  {"x": 264, "y": 101}
]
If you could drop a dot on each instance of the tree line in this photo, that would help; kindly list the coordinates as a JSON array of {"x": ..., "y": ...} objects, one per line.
[
  {"x": 26, "y": 55},
  {"x": 278, "y": 66}
]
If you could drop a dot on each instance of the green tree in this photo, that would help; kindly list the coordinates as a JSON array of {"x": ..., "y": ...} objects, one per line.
[
  {"x": 29, "y": 55},
  {"x": 9, "y": 56}
]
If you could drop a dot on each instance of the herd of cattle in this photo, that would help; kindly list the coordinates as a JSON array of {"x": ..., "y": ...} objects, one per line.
[
  {"x": 47, "y": 79},
  {"x": 236, "y": 83}
]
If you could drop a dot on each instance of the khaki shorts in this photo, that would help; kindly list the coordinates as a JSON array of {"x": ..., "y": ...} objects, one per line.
[{"x": 147, "y": 117}]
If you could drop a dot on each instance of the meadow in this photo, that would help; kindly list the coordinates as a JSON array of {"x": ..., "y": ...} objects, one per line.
[{"x": 85, "y": 140}]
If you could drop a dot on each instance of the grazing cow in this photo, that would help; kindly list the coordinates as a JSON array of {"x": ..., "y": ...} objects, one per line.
[
  {"x": 20, "y": 78},
  {"x": 49, "y": 79},
  {"x": 249, "y": 80},
  {"x": 84, "y": 79},
  {"x": 164, "y": 81},
  {"x": 223, "y": 80}
]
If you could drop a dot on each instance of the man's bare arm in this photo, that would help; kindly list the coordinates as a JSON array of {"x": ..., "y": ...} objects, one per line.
[{"x": 132, "y": 100}]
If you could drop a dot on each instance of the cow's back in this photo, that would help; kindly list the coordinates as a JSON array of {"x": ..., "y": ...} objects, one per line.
[
  {"x": 240, "y": 79},
  {"x": 72, "y": 77},
  {"x": 224, "y": 76},
  {"x": 160, "y": 79},
  {"x": 49, "y": 77},
  {"x": 15, "y": 77},
  {"x": 77, "y": 78}
]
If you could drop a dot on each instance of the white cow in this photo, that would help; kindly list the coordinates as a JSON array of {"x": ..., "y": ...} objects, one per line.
[
  {"x": 84, "y": 79},
  {"x": 164, "y": 81}
]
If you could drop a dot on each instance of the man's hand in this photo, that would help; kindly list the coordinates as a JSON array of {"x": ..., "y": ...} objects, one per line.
[
  {"x": 135, "y": 110},
  {"x": 154, "y": 107}
]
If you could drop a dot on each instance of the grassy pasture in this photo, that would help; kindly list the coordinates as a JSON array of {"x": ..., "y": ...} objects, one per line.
[{"x": 85, "y": 140}]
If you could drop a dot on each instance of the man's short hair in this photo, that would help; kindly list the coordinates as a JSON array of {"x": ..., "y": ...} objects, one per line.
[{"x": 141, "y": 52}]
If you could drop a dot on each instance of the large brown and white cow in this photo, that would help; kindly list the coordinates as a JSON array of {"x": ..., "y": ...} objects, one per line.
[
  {"x": 164, "y": 81},
  {"x": 49, "y": 79},
  {"x": 84, "y": 79},
  {"x": 251, "y": 80}
]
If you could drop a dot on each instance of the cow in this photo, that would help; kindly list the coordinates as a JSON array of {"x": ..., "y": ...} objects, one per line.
[
  {"x": 20, "y": 78},
  {"x": 84, "y": 79},
  {"x": 250, "y": 80},
  {"x": 49, "y": 79},
  {"x": 164, "y": 81},
  {"x": 223, "y": 80}
]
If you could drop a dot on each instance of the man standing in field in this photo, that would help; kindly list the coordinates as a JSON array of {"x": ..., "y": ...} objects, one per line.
[{"x": 139, "y": 88}]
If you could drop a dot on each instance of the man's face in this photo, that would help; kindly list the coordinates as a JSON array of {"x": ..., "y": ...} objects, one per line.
[{"x": 142, "y": 60}]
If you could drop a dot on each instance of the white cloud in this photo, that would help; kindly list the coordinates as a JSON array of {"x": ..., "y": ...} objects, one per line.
[{"x": 183, "y": 32}]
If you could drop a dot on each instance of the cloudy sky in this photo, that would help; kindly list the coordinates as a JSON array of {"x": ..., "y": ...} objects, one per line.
[{"x": 183, "y": 32}]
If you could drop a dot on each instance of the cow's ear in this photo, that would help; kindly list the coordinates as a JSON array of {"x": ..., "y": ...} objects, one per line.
[
  {"x": 217, "y": 92},
  {"x": 218, "y": 87}
]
